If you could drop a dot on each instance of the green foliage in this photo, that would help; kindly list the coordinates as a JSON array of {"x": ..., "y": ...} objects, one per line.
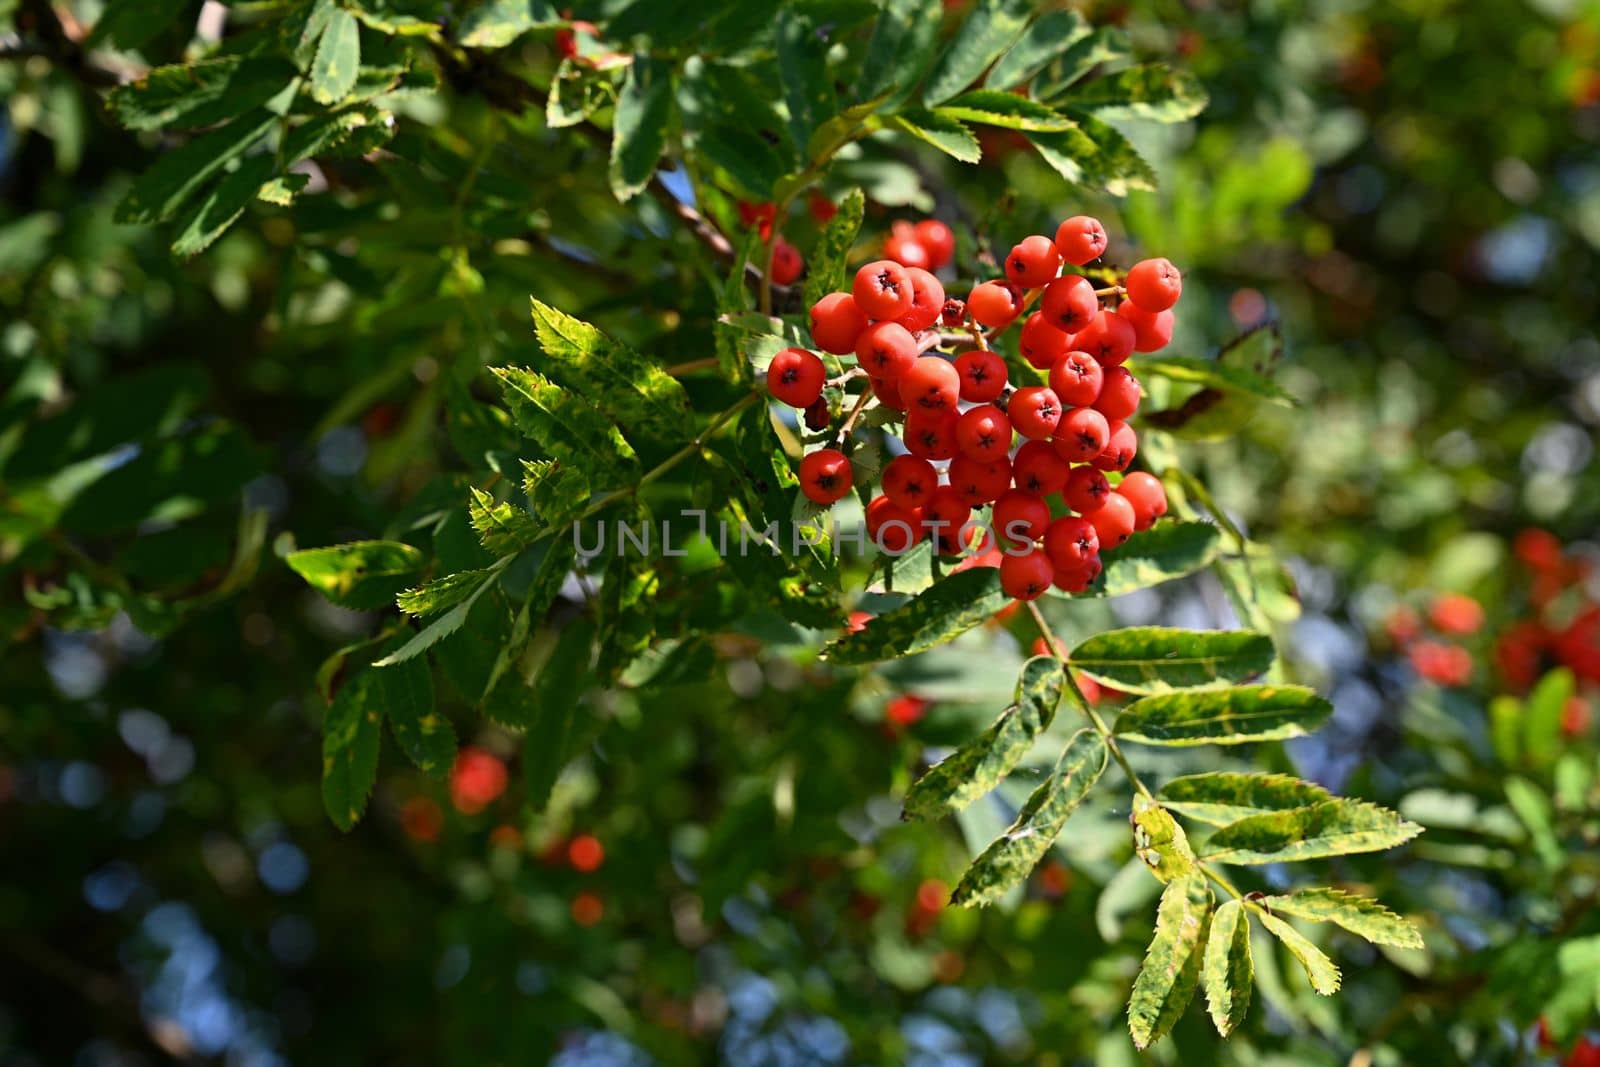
[
  {"x": 1227, "y": 717},
  {"x": 362, "y": 574},
  {"x": 1326, "y": 828},
  {"x": 1227, "y": 972},
  {"x": 1223, "y": 797},
  {"x": 1156, "y": 659},
  {"x": 1171, "y": 969}
]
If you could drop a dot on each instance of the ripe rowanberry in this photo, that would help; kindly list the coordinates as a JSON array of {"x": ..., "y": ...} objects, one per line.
[
  {"x": 938, "y": 239},
  {"x": 888, "y": 393},
  {"x": 903, "y": 247},
  {"x": 817, "y": 415},
  {"x": 882, "y": 290},
  {"x": 1077, "y": 580},
  {"x": 1020, "y": 517},
  {"x": 1035, "y": 411},
  {"x": 1113, "y": 522},
  {"x": 825, "y": 475},
  {"x": 943, "y": 517},
  {"x": 994, "y": 303},
  {"x": 836, "y": 323},
  {"x": 1071, "y": 541},
  {"x": 1069, "y": 303},
  {"x": 1038, "y": 470},
  {"x": 931, "y": 434},
  {"x": 1147, "y": 495},
  {"x": 1453, "y": 613},
  {"x": 927, "y": 300},
  {"x": 979, "y": 481},
  {"x": 892, "y": 528},
  {"x": 795, "y": 377},
  {"x": 787, "y": 262},
  {"x": 1440, "y": 663},
  {"x": 1033, "y": 262},
  {"x": 1086, "y": 490},
  {"x": 1119, "y": 396},
  {"x": 984, "y": 433},
  {"x": 1081, "y": 435},
  {"x": 1122, "y": 444},
  {"x": 1026, "y": 576},
  {"x": 983, "y": 375},
  {"x": 1152, "y": 331},
  {"x": 822, "y": 209},
  {"x": 930, "y": 384},
  {"x": 1081, "y": 239},
  {"x": 1077, "y": 378},
  {"x": 1109, "y": 339},
  {"x": 759, "y": 215},
  {"x": 1040, "y": 343},
  {"x": 886, "y": 350},
  {"x": 1154, "y": 284},
  {"x": 954, "y": 312},
  {"x": 909, "y": 481}
]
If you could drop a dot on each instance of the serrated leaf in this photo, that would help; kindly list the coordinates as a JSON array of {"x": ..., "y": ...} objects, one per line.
[
  {"x": 635, "y": 392},
  {"x": 283, "y": 189},
  {"x": 404, "y": 694},
  {"x": 1006, "y": 110},
  {"x": 1319, "y": 968},
  {"x": 1163, "y": 553},
  {"x": 1159, "y": 842},
  {"x": 502, "y": 529},
  {"x": 803, "y": 73},
  {"x": 1157, "y": 659},
  {"x": 1011, "y": 856},
  {"x": 496, "y": 23},
  {"x": 1224, "y": 717},
  {"x": 639, "y": 125},
  {"x": 350, "y": 735},
  {"x": 826, "y": 268},
  {"x": 177, "y": 175},
  {"x": 219, "y": 208},
  {"x": 1362, "y": 916},
  {"x": 338, "y": 59},
  {"x": 444, "y": 625},
  {"x": 556, "y": 492},
  {"x": 1213, "y": 375},
  {"x": 991, "y": 28},
  {"x": 1223, "y": 797},
  {"x": 1104, "y": 45},
  {"x": 1116, "y": 165},
  {"x": 978, "y": 766},
  {"x": 942, "y": 612},
  {"x": 1154, "y": 92},
  {"x": 565, "y": 426},
  {"x": 575, "y": 93},
  {"x": 441, "y": 593},
  {"x": 342, "y": 131},
  {"x": 203, "y": 93},
  {"x": 945, "y": 133},
  {"x": 904, "y": 40},
  {"x": 1171, "y": 970},
  {"x": 560, "y": 553},
  {"x": 361, "y": 575},
  {"x": 1050, "y": 35},
  {"x": 1336, "y": 827},
  {"x": 1227, "y": 972}
]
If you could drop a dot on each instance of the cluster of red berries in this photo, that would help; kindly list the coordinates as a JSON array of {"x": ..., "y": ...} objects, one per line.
[
  {"x": 959, "y": 412},
  {"x": 787, "y": 262}
]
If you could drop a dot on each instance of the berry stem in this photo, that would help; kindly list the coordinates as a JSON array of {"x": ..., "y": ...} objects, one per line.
[
  {"x": 708, "y": 363},
  {"x": 848, "y": 376},
  {"x": 1111, "y": 290},
  {"x": 850, "y": 420}
]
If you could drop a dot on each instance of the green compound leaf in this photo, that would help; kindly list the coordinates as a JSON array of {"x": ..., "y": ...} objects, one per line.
[
  {"x": 565, "y": 425},
  {"x": 1095, "y": 154},
  {"x": 441, "y": 593},
  {"x": 338, "y": 60},
  {"x": 1223, "y": 797},
  {"x": 361, "y": 575},
  {"x": 502, "y": 529},
  {"x": 1006, "y": 110},
  {"x": 1331, "y": 828},
  {"x": 1163, "y": 553},
  {"x": 556, "y": 492},
  {"x": 904, "y": 40},
  {"x": 943, "y": 132},
  {"x": 942, "y": 612},
  {"x": 1319, "y": 968},
  {"x": 993, "y": 27},
  {"x": 404, "y": 694},
  {"x": 1213, "y": 375},
  {"x": 1227, "y": 972},
  {"x": 1051, "y": 34},
  {"x": 496, "y": 23},
  {"x": 1009, "y": 858},
  {"x": 1171, "y": 970},
  {"x": 1104, "y": 45},
  {"x": 634, "y": 391},
  {"x": 1159, "y": 842},
  {"x": 979, "y": 765},
  {"x": 189, "y": 95},
  {"x": 160, "y": 191},
  {"x": 219, "y": 208},
  {"x": 1362, "y": 916},
  {"x": 444, "y": 625},
  {"x": 1153, "y": 92},
  {"x": 639, "y": 127},
  {"x": 1157, "y": 659},
  {"x": 350, "y": 735},
  {"x": 1224, "y": 717},
  {"x": 826, "y": 269}
]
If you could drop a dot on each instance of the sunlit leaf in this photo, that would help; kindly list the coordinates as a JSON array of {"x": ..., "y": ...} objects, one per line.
[
  {"x": 1361, "y": 916},
  {"x": 364, "y": 575},
  {"x": 1319, "y": 968},
  {"x": 1329, "y": 828},
  {"x": 1224, "y": 717},
  {"x": 1223, "y": 797},
  {"x": 1227, "y": 972},
  {"x": 942, "y": 612},
  {"x": 825, "y": 271},
  {"x": 1171, "y": 969},
  {"x": 1156, "y": 659},
  {"x": 991, "y": 28}
]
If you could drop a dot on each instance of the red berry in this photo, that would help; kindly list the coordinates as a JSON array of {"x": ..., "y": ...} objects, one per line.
[
  {"x": 1081, "y": 240},
  {"x": 1041, "y": 344},
  {"x": 762, "y": 215},
  {"x": 931, "y": 434},
  {"x": 905, "y": 710},
  {"x": 927, "y": 300},
  {"x": 1033, "y": 262},
  {"x": 882, "y": 290},
  {"x": 817, "y": 415},
  {"x": 983, "y": 375},
  {"x": 795, "y": 377},
  {"x": 979, "y": 481},
  {"x": 1026, "y": 576},
  {"x": 836, "y": 323},
  {"x": 1086, "y": 490},
  {"x": 1119, "y": 396},
  {"x": 1038, "y": 470},
  {"x": 1019, "y": 517},
  {"x": 954, "y": 312},
  {"x": 1454, "y": 613},
  {"x": 1034, "y": 411},
  {"x": 944, "y": 517},
  {"x": 825, "y": 475},
  {"x": 1152, "y": 331},
  {"x": 1147, "y": 495},
  {"x": 822, "y": 209},
  {"x": 1113, "y": 522},
  {"x": 903, "y": 247},
  {"x": 892, "y": 528},
  {"x": 1077, "y": 379},
  {"x": 858, "y": 619},
  {"x": 886, "y": 350},
  {"x": 1109, "y": 339},
  {"x": 1076, "y": 580},
  {"x": 1154, "y": 284},
  {"x": 1441, "y": 663},
  {"x": 476, "y": 780},
  {"x": 1069, "y": 303},
  {"x": 787, "y": 262},
  {"x": 1122, "y": 444},
  {"x": 586, "y": 853},
  {"x": 930, "y": 384},
  {"x": 1081, "y": 435},
  {"x": 936, "y": 237},
  {"x": 984, "y": 433},
  {"x": 1071, "y": 541},
  {"x": 888, "y": 393},
  {"x": 909, "y": 481},
  {"x": 994, "y": 303}
]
